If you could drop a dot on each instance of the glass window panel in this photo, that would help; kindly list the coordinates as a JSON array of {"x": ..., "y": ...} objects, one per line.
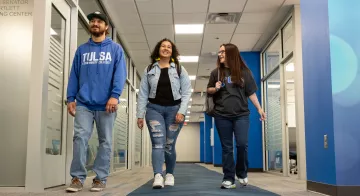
[
  {"x": 138, "y": 144},
  {"x": 272, "y": 55},
  {"x": 121, "y": 131},
  {"x": 138, "y": 80},
  {"x": 273, "y": 130},
  {"x": 55, "y": 102},
  {"x": 83, "y": 33},
  {"x": 288, "y": 38}
]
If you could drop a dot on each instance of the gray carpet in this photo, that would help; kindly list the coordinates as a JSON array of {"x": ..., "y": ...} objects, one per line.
[{"x": 192, "y": 179}]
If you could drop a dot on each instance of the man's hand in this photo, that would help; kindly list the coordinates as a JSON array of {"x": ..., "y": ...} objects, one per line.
[
  {"x": 71, "y": 108},
  {"x": 140, "y": 123},
  {"x": 179, "y": 118},
  {"x": 111, "y": 105}
]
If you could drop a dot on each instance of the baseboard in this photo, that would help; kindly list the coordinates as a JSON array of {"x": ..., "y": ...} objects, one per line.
[
  {"x": 208, "y": 163},
  {"x": 256, "y": 170},
  {"x": 188, "y": 162},
  {"x": 333, "y": 190},
  {"x": 217, "y": 165}
]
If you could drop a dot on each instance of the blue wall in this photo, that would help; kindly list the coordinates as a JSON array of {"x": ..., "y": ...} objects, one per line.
[
  {"x": 252, "y": 60},
  {"x": 318, "y": 109},
  {"x": 217, "y": 149},
  {"x": 344, "y": 20},
  {"x": 202, "y": 142},
  {"x": 208, "y": 156}
]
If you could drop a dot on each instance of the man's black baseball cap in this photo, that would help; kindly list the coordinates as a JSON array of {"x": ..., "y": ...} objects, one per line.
[{"x": 98, "y": 15}]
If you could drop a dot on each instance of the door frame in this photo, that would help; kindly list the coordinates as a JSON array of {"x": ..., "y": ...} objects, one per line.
[{"x": 55, "y": 165}]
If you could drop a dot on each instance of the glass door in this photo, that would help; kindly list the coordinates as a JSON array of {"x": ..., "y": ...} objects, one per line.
[
  {"x": 55, "y": 133},
  {"x": 273, "y": 124},
  {"x": 290, "y": 116}
]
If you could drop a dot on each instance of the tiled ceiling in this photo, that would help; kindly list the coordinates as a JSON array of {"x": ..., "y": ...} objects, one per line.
[{"x": 142, "y": 23}]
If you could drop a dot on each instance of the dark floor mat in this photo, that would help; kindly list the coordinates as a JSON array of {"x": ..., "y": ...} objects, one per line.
[{"x": 192, "y": 179}]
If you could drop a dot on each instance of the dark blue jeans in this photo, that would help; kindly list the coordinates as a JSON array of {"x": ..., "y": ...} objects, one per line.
[
  {"x": 163, "y": 132},
  {"x": 227, "y": 127}
]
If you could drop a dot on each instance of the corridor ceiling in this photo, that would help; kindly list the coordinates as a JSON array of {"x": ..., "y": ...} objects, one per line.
[{"x": 142, "y": 23}]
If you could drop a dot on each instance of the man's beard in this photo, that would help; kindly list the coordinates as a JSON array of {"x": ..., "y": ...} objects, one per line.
[{"x": 97, "y": 33}]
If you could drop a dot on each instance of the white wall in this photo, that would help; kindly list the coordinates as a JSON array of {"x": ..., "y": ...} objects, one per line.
[
  {"x": 188, "y": 143},
  {"x": 16, "y": 23}
]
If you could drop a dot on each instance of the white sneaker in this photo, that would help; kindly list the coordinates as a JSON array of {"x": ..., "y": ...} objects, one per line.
[
  {"x": 228, "y": 185},
  {"x": 158, "y": 182},
  {"x": 169, "y": 180},
  {"x": 244, "y": 181}
]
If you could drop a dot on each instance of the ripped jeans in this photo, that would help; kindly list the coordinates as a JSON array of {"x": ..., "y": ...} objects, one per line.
[{"x": 163, "y": 132}]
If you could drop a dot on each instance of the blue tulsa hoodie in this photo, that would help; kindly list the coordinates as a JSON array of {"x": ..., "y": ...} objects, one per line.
[{"x": 98, "y": 73}]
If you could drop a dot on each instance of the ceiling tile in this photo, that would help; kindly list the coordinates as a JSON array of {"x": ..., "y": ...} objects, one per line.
[
  {"x": 197, "y": 38},
  {"x": 130, "y": 29},
  {"x": 134, "y": 37},
  {"x": 212, "y": 42},
  {"x": 190, "y": 6},
  {"x": 263, "y": 6},
  {"x": 159, "y": 29},
  {"x": 257, "y": 18},
  {"x": 193, "y": 18},
  {"x": 189, "y": 49},
  {"x": 250, "y": 28},
  {"x": 245, "y": 42},
  {"x": 201, "y": 85},
  {"x": 138, "y": 46},
  {"x": 219, "y": 28},
  {"x": 156, "y": 19},
  {"x": 154, "y": 6},
  {"x": 218, "y": 6},
  {"x": 191, "y": 68},
  {"x": 292, "y": 2}
]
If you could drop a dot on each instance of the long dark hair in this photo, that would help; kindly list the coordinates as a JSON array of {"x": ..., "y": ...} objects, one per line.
[
  {"x": 156, "y": 52},
  {"x": 235, "y": 64}
]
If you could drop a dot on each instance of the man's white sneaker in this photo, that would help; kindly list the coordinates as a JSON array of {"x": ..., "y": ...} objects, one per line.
[
  {"x": 169, "y": 180},
  {"x": 228, "y": 185},
  {"x": 244, "y": 181},
  {"x": 158, "y": 182}
]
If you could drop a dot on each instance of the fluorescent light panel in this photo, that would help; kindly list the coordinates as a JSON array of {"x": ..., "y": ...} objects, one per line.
[
  {"x": 192, "y": 77},
  {"x": 189, "y": 28},
  {"x": 290, "y": 67},
  {"x": 189, "y": 59}
]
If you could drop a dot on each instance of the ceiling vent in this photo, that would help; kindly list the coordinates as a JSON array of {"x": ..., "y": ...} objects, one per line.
[{"x": 223, "y": 18}]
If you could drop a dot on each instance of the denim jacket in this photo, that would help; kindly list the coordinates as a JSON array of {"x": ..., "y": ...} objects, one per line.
[{"x": 181, "y": 88}]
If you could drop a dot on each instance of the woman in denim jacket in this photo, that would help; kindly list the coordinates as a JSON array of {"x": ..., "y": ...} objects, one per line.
[{"x": 164, "y": 94}]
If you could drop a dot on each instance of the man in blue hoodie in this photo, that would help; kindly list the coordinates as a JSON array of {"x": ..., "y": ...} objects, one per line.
[{"x": 97, "y": 78}]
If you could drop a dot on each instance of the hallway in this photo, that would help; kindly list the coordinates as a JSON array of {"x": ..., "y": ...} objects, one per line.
[{"x": 139, "y": 183}]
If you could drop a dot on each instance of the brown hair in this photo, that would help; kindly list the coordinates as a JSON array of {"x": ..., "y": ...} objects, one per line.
[
  {"x": 235, "y": 64},
  {"x": 156, "y": 52}
]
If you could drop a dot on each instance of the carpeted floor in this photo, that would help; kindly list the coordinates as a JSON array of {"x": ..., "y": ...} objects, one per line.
[{"x": 192, "y": 179}]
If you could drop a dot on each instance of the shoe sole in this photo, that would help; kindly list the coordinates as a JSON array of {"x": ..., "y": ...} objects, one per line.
[
  {"x": 228, "y": 187},
  {"x": 72, "y": 190},
  {"x": 158, "y": 187},
  {"x": 96, "y": 190}
]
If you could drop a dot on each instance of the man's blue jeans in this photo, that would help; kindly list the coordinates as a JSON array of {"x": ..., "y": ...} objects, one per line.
[
  {"x": 227, "y": 127},
  {"x": 163, "y": 132},
  {"x": 83, "y": 128}
]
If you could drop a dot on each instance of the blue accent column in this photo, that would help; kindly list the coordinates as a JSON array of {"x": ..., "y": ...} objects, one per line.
[
  {"x": 207, "y": 146},
  {"x": 255, "y": 150},
  {"x": 332, "y": 106},
  {"x": 202, "y": 142},
  {"x": 217, "y": 149}
]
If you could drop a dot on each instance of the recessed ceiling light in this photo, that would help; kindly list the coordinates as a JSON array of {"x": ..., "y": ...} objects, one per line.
[
  {"x": 192, "y": 90},
  {"x": 192, "y": 77},
  {"x": 187, "y": 116},
  {"x": 189, "y": 59},
  {"x": 188, "y": 112},
  {"x": 190, "y": 99},
  {"x": 290, "y": 67},
  {"x": 189, "y": 106},
  {"x": 186, "y": 120},
  {"x": 189, "y": 28}
]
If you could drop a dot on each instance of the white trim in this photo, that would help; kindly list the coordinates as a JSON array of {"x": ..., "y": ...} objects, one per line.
[
  {"x": 34, "y": 178},
  {"x": 299, "y": 91}
]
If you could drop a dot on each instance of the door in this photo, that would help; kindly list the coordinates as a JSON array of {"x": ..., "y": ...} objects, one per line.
[
  {"x": 290, "y": 117},
  {"x": 55, "y": 136}
]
